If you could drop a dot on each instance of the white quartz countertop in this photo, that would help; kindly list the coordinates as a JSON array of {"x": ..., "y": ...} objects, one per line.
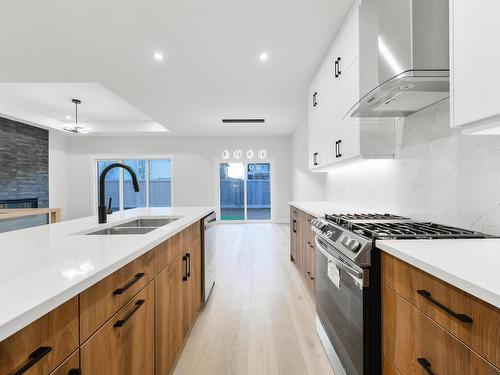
[
  {"x": 43, "y": 267},
  {"x": 320, "y": 208},
  {"x": 468, "y": 264}
]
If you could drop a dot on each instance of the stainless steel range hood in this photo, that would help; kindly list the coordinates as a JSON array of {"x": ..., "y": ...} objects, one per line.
[{"x": 404, "y": 56}]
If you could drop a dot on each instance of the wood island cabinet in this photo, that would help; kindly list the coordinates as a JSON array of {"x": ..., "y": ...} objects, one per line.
[
  {"x": 135, "y": 321},
  {"x": 125, "y": 344},
  {"x": 302, "y": 249},
  {"x": 178, "y": 298},
  {"x": 169, "y": 314},
  {"x": 41, "y": 346}
]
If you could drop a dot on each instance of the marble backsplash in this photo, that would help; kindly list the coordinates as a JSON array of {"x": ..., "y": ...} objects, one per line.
[{"x": 438, "y": 174}]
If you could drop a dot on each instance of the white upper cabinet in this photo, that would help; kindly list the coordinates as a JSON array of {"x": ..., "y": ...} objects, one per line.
[
  {"x": 474, "y": 65},
  {"x": 333, "y": 136},
  {"x": 317, "y": 107}
]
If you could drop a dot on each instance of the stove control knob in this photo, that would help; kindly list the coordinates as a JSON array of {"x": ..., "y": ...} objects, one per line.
[
  {"x": 329, "y": 234},
  {"x": 344, "y": 240},
  {"x": 314, "y": 222},
  {"x": 353, "y": 245}
]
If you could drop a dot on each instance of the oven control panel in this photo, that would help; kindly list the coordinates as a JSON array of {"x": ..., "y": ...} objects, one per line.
[{"x": 326, "y": 229}]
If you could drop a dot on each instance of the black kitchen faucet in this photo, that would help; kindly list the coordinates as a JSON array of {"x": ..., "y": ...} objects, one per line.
[{"x": 102, "y": 211}]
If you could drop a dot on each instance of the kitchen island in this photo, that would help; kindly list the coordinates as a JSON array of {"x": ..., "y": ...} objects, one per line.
[{"x": 61, "y": 270}]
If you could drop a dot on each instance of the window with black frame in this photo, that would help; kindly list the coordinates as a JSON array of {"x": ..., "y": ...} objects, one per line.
[{"x": 155, "y": 183}]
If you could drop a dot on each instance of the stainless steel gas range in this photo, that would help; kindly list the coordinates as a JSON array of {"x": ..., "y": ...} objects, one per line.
[{"x": 348, "y": 282}]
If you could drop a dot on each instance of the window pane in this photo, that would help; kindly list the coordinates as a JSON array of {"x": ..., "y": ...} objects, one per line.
[
  {"x": 160, "y": 183},
  {"x": 112, "y": 183},
  {"x": 131, "y": 199},
  {"x": 258, "y": 191},
  {"x": 232, "y": 194}
]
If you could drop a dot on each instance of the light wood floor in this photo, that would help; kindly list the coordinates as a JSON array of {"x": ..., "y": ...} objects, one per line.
[{"x": 260, "y": 318}]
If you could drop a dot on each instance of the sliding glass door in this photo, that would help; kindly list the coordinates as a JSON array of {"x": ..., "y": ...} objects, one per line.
[{"x": 245, "y": 191}]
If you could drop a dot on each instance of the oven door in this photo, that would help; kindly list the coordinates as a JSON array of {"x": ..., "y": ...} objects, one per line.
[{"x": 339, "y": 306}]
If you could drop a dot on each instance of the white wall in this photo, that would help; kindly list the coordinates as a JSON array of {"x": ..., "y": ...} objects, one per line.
[
  {"x": 306, "y": 186},
  {"x": 58, "y": 178},
  {"x": 439, "y": 175},
  {"x": 193, "y": 166}
]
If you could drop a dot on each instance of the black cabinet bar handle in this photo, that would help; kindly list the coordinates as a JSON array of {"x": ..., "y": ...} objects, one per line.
[
  {"x": 336, "y": 69},
  {"x": 338, "y": 66},
  {"x": 185, "y": 267},
  {"x": 340, "y": 149},
  {"x": 33, "y": 358},
  {"x": 294, "y": 229},
  {"x": 315, "y": 158},
  {"x": 315, "y": 99},
  {"x": 189, "y": 264},
  {"x": 136, "y": 278},
  {"x": 121, "y": 322},
  {"x": 428, "y": 296},
  {"x": 426, "y": 365},
  {"x": 337, "y": 149}
]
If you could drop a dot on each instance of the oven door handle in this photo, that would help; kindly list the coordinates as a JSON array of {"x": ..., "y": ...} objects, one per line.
[{"x": 351, "y": 271}]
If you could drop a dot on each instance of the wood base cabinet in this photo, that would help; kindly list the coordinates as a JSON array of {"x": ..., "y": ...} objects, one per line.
[
  {"x": 192, "y": 289},
  {"x": 178, "y": 298},
  {"x": 70, "y": 366},
  {"x": 169, "y": 297},
  {"x": 44, "y": 344},
  {"x": 302, "y": 249},
  {"x": 430, "y": 327},
  {"x": 125, "y": 344}
]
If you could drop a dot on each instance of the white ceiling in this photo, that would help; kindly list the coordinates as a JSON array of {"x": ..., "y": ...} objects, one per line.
[
  {"x": 211, "y": 70},
  {"x": 48, "y": 104}
]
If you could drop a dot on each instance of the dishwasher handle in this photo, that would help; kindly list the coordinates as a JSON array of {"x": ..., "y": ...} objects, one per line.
[{"x": 209, "y": 220}]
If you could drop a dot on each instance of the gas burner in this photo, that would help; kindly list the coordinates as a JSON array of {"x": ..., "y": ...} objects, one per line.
[
  {"x": 411, "y": 230},
  {"x": 345, "y": 220},
  {"x": 350, "y": 217}
]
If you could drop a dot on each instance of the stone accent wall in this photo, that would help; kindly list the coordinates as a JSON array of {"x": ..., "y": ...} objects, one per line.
[{"x": 24, "y": 162}]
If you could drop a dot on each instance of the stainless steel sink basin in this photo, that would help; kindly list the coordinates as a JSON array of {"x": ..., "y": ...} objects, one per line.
[
  {"x": 139, "y": 223},
  {"x": 118, "y": 230}
]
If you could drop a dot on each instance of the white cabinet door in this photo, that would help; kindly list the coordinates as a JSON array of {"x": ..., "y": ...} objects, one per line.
[
  {"x": 333, "y": 97},
  {"x": 317, "y": 96},
  {"x": 350, "y": 130},
  {"x": 348, "y": 42},
  {"x": 475, "y": 57}
]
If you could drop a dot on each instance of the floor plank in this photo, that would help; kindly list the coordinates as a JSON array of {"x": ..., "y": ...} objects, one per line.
[{"x": 260, "y": 319}]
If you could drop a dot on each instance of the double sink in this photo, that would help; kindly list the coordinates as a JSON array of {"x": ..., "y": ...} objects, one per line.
[{"x": 137, "y": 226}]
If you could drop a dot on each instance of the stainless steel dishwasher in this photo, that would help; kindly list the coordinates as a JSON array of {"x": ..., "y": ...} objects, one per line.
[{"x": 208, "y": 255}]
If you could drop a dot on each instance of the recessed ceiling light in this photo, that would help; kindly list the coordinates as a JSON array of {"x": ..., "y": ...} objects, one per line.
[
  {"x": 68, "y": 117},
  {"x": 158, "y": 56},
  {"x": 264, "y": 56}
]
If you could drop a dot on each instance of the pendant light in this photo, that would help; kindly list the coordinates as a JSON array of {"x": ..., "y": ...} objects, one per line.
[{"x": 77, "y": 128}]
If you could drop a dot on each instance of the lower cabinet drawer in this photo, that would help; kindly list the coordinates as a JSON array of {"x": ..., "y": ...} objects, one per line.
[
  {"x": 417, "y": 345},
  {"x": 191, "y": 233},
  {"x": 125, "y": 344},
  {"x": 167, "y": 251},
  {"x": 99, "y": 302},
  {"x": 41, "y": 346},
  {"x": 70, "y": 366},
  {"x": 474, "y": 322}
]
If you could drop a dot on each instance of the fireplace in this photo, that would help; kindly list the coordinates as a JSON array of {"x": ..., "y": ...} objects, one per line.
[{"x": 19, "y": 203}]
